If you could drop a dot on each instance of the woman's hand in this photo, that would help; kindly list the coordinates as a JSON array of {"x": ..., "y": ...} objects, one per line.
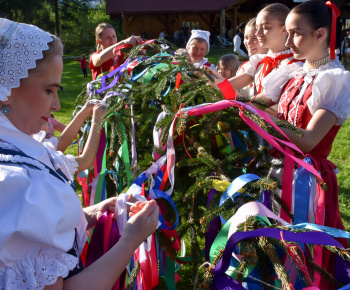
[
  {"x": 92, "y": 213},
  {"x": 87, "y": 109},
  {"x": 213, "y": 72},
  {"x": 98, "y": 112},
  {"x": 133, "y": 40},
  {"x": 143, "y": 222}
]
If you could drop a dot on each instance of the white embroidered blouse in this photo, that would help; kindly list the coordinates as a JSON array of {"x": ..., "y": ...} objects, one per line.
[
  {"x": 40, "y": 215},
  {"x": 202, "y": 62},
  {"x": 255, "y": 70},
  {"x": 330, "y": 88}
]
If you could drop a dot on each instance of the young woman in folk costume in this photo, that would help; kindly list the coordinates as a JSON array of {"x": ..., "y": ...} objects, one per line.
[
  {"x": 106, "y": 40},
  {"x": 271, "y": 34},
  {"x": 317, "y": 100},
  {"x": 43, "y": 226},
  {"x": 252, "y": 44}
]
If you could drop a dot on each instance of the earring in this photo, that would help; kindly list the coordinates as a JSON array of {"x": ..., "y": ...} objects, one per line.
[{"x": 6, "y": 110}]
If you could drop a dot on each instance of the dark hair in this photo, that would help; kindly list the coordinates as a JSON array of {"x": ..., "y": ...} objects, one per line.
[
  {"x": 278, "y": 10},
  {"x": 318, "y": 14},
  {"x": 242, "y": 25}
]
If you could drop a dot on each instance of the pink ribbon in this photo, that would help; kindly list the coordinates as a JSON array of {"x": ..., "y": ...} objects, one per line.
[{"x": 269, "y": 138}]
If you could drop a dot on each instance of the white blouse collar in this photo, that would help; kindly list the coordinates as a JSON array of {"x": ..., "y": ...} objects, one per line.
[
  {"x": 308, "y": 73},
  {"x": 201, "y": 62},
  {"x": 329, "y": 65},
  {"x": 272, "y": 54},
  {"x": 10, "y": 134}
]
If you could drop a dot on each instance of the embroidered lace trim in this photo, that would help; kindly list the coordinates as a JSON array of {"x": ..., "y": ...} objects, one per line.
[{"x": 38, "y": 272}]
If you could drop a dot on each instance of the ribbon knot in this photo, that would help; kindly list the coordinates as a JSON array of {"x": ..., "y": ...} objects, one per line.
[{"x": 269, "y": 64}]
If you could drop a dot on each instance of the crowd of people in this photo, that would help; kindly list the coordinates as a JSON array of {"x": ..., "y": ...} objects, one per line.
[{"x": 291, "y": 65}]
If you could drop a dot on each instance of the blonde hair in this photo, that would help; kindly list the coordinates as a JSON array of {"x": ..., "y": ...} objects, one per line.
[
  {"x": 181, "y": 52},
  {"x": 230, "y": 61},
  {"x": 251, "y": 22},
  {"x": 98, "y": 32},
  {"x": 278, "y": 10}
]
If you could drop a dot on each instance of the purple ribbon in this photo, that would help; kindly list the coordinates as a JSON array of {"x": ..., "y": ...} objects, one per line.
[
  {"x": 226, "y": 282},
  {"x": 266, "y": 198},
  {"x": 120, "y": 70},
  {"x": 213, "y": 229},
  {"x": 133, "y": 141}
]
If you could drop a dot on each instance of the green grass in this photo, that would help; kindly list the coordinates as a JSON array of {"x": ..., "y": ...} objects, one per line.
[{"x": 73, "y": 83}]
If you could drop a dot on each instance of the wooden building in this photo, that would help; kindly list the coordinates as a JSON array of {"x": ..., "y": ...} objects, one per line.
[{"x": 152, "y": 16}]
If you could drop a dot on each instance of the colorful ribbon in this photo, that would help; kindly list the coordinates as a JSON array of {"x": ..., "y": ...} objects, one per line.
[
  {"x": 209, "y": 108},
  {"x": 234, "y": 187}
]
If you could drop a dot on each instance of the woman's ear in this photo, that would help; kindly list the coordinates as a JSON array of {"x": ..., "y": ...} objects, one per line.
[
  {"x": 284, "y": 28},
  {"x": 284, "y": 31},
  {"x": 320, "y": 34},
  {"x": 98, "y": 41}
]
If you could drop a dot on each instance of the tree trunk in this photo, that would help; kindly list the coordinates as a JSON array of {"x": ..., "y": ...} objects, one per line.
[{"x": 57, "y": 16}]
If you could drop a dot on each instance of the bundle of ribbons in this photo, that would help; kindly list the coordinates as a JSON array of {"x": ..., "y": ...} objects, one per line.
[{"x": 150, "y": 259}]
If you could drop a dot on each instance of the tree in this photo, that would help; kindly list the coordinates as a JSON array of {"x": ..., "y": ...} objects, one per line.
[{"x": 205, "y": 156}]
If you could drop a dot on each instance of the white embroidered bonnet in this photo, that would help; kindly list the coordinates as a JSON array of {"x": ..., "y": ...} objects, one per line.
[
  {"x": 20, "y": 46},
  {"x": 203, "y": 34}
]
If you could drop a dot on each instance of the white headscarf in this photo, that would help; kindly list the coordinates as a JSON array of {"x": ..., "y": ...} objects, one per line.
[
  {"x": 20, "y": 46},
  {"x": 203, "y": 34}
]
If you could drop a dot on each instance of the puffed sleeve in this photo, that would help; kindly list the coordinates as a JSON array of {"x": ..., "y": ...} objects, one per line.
[
  {"x": 71, "y": 165},
  {"x": 331, "y": 91},
  {"x": 252, "y": 64},
  {"x": 275, "y": 80},
  {"x": 40, "y": 216}
]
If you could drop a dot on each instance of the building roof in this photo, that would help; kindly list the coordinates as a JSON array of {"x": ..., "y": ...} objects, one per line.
[{"x": 161, "y": 6}]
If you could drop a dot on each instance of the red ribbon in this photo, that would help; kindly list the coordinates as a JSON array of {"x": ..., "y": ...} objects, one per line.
[
  {"x": 335, "y": 14},
  {"x": 270, "y": 63}
]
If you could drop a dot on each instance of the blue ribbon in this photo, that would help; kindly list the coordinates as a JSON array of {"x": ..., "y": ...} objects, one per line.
[
  {"x": 139, "y": 180},
  {"x": 237, "y": 142},
  {"x": 303, "y": 185},
  {"x": 236, "y": 185},
  {"x": 337, "y": 233},
  {"x": 347, "y": 287}
]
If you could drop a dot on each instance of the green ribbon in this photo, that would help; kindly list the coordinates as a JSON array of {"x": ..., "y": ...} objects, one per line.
[
  {"x": 148, "y": 76},
  {"x": 220, "y": 241},
  {"x": 123, "y": 152},
  {"x": 189, "y": 259},
  {"x": 101, "y": 177},
  {"x": 169, "y": 273}
]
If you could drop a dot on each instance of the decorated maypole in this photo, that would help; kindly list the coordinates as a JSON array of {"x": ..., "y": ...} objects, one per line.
[{"x": 204, "y": 155}]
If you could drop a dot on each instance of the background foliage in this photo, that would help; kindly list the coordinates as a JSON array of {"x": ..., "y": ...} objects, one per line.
[{"x": 73, "y": 20}]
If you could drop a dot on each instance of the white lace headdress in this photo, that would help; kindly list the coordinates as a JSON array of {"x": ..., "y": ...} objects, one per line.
[{"x": 20, "y": 46}]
